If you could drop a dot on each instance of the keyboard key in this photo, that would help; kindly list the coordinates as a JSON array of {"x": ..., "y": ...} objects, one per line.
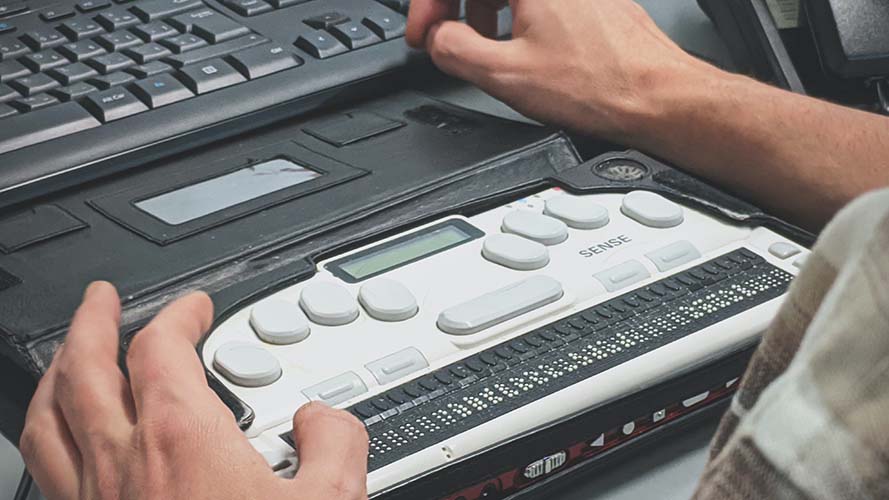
[
  {"x": 91, "y": 5},
  {"x": 218, "y": 28},
  {"x": 112, "y": 80},
  {"x": 327, "y": 20},
  {"x": 210, "y": 75},
  {"x": 113, "y": 104},
  {"x": 43, "y": 38},
  {"x": 182, "y": 43},
  {"x": 33, "y": 103},
  {"x": 116, "y": 19},
  {"x": 34, "y": 84},
  {"x": 12, "y": 8},
  {"x": 402, "y": 6},
  {"x": 155, "y": 31},
  {"x": 79, "y": 29},
  {"x": 72, "y": 73},
  {"x": 147, "y": 53},
  {"x": 111, "y": 62},
  {"x": 156, "y": 9},
  {"x": 74, "y": 91},
  {"x": 385, "y": 26},
  {"x": 161, "y": 90},
  {"x": 280, "y": 4},
  {"x": 248, "y": 7},
  {"x": 213, "y": 51},
  {"x": 6, "y": 28},
  {"x": 150, "y": 69},
  {"x": 118, "y": 41},
  {"x": 12, "y": 48},
  {"x": 42, "y": 61},
  {"x": 79, "y": 51},
  {"x": 10, "y": 70},
  {"x": 44, "y": 125},
  {"x": 8, "y": 93},
  {"x": 6, "y": 110},
  {"x": 320, "y": 44},
  {"x": 354, "y": 35},
  {"x": 56, "y": 14},
  {"x": 264, "y": 60}
]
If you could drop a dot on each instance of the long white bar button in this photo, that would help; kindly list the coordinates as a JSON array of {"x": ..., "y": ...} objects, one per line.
[
  {"x": 397, "y": 365},
  {"x": 576, "y": 211},
  {"x": 673, "y": 255},
  {"x": 652, "y": 209},
  {"x": 534, "y": 226},
  {"x": 500, "y": 305},
  {"x": 622, "y": 275},
  {"x": 783, "y": 250},
  {"x": 387, "y": 300},
  {"x": 246, "y": 364},
  {"x": 279, "y": 322},
  {"x": 515, "y": 252},
  {"x": 337, "y": 389},
  {"x": 328, "y": 304}
]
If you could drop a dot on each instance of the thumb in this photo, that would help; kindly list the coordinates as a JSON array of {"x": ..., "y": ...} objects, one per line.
[
  {"x": 332, "y": 450},
  {"x": 459, "y": 50}
]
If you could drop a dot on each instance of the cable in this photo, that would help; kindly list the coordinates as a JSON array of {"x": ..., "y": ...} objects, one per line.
[{"x": 24, "y": 489}]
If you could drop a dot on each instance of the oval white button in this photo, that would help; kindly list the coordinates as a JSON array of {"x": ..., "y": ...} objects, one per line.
[
  {"x": 534, "y": 226},
  {"x": 246, "y": 364},
  {"x": 328, "y": 304},
  {"x": 652, "y": 209},
  {"x": 515, "y": 252},
  {"x": 387, "y": 300},
  {"x": 578, "y": 212},
  {"x": 279, "y": 322}
]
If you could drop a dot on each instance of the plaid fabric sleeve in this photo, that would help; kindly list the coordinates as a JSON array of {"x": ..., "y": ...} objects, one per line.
[{"x": 811, "y": 417}]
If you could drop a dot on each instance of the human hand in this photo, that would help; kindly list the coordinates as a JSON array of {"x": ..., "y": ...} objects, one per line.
[
  {"x": 591, "y": 66},
  {"x": 91, "y": 434}
]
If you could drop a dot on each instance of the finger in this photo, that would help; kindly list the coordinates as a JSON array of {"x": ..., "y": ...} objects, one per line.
[
  {"x": 90, "y": 389},
  {"x": 482, "y": 16},
  {"x": 332, "y": 451},
  {"x": 424, "y": 14},
  {"x": 46, "y": 444},
  {"x": 462, "y": 52},
  {"x": 162, "y": 361}
]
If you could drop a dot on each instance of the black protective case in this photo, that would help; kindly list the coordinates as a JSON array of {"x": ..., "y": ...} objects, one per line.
[{"x": 397, "y": 162}]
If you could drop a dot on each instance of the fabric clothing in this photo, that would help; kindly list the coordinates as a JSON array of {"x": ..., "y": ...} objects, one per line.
[{"x": 811, "y": 416}]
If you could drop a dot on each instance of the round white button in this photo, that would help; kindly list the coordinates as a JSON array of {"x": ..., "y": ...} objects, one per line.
[
  {"x": 515, "y": 252},
  {"x": 578, "y": 212},
  {"x": 279, "y": 322},
  {"x": 246, "y": 364},
  {"x": 534, "y": 226},
  {"x": 328, "y": 304},
  {"x": 652, "y": 210},
  {"x": 387, "y": 300}
]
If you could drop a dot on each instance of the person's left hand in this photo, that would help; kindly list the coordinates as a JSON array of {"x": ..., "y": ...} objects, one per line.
[{"x": 92, "y": 434}]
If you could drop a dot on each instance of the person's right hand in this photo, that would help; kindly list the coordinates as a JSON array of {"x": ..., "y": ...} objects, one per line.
[{"x": 589, "y": 65}]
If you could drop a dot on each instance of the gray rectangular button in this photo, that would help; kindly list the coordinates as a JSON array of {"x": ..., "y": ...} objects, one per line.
[
  {"x": 337, "y": 389},
  {"x": 397, "y": 365},
  {"x": 673, "y": 255},
  {"x": 622, "y": 275}
]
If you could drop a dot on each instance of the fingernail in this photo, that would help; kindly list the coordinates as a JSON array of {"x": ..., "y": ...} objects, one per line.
[{"x": 95, "y": 285}]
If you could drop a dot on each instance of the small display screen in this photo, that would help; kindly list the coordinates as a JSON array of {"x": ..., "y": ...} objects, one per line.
[
  {"x": 204, "y": 198},
  {"x": 405, "y": 250}
]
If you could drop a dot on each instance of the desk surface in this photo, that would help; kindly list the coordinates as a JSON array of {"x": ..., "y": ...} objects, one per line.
[{"x": 670, "y": 469}]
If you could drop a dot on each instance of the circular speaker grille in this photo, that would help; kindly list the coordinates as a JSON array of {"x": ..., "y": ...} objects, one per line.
[{"x": 621, "y": 170}]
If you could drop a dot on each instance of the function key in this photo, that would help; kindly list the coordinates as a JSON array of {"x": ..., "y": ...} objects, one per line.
[
  {"x": 12, "y": 48},
  {"x": 246, "y": 364},
  {"x": 652, "y": 210},
  {"x": 320, "y": 44},
  {"x": 91, "y": 5},
  {"x": 56, "y": 14},
  {"x": 540, "y": 228},
  {"x": 43, "y": 38},
  {"x": 78, "y": 29},
  {"x": 72, "y": 73},
  {"x": 12, "y": 8},
  {"x": 274, "y": 320},
  {"x": 116, "y": 19},
  {"x": 156, "y": 9},
  {"x": 327, "y": 20},
  {"x": 386, "y": 26},
  {"x": 577, "y": 212},
  {"x": 248, "y": 7},
  {"x": 325, "y": 303},
  {"x": 387, "y": 300},
  {"x": 515, "y": 252},
  {"x": 354, "y": 35}
]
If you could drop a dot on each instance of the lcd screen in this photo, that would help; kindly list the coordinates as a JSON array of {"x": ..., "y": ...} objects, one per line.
[
  {"x": 210, "y": 196},
  {"x": 406, "y": 250}
]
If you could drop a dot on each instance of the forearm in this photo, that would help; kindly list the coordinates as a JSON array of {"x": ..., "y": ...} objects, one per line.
[{"x": 793, "y": 155}]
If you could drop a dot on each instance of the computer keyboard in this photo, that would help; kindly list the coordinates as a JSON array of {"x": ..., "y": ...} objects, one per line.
[{"x": 95, "y": 86}]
